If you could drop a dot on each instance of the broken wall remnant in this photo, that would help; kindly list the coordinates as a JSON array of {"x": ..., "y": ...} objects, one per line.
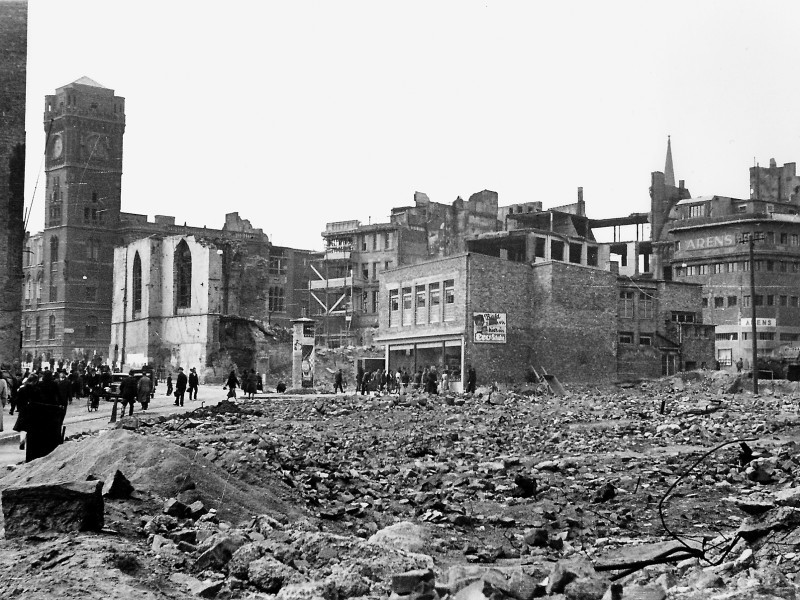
[{"x": 13, "y": 53}]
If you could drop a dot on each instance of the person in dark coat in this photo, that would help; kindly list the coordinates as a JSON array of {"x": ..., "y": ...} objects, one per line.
[
  {"x": 472, "y": 379},
  {"x": 180, "y": 386},
  {"x": 169, "y": 384},
  {"x": 64, "y": 389},
  {"x": 359, "y": 378},
  {"x": 432, "y": 385},
  {"x": 338, "y": 382},
  {"x": 231, "y": 385},
  {"x": 143, "y": 389},
  {"x": 44, "y": 419},
  {"x": 249, "y": 383},
  {"x": 259, "y": 382},
  {"x": 27, "y": 393},
  {"x": 194, "y": 383},
  {"x": 128, "y": 389}
]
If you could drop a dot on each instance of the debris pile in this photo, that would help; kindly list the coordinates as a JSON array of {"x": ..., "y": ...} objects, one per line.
[{"x": 663, "y": 488}]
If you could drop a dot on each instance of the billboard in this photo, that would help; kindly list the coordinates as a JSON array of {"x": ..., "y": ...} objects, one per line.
[{"x": 489, "y": 328}]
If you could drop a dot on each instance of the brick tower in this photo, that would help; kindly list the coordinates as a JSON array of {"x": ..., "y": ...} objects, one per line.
[{"x": 67, "y": 307}]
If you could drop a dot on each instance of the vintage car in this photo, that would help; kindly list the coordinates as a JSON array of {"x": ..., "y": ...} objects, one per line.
[{"x": 112, "y": 390}]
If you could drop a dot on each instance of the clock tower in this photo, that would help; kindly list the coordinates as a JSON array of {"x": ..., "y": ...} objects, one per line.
[{"x": 68, "y": 305}]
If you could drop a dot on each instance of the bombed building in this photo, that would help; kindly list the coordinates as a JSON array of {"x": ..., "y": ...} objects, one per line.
[{"x": 67, "y": 300}]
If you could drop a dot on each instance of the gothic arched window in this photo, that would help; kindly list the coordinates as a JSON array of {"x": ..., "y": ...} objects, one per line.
[
  {"x": 51, "y": 328},
  {"x": 183, "y": 275},
  {"x": 137, "y": 283},
  {"x": 54, "y": 249}
]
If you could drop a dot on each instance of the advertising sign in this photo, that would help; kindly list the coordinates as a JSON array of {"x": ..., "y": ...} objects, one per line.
[
  {"x": 760, "y": 322},
  {"x": 489, "y": 328}
]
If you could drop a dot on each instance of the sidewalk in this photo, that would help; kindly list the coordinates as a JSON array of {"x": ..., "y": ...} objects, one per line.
[{"x": 79, "y": 419}]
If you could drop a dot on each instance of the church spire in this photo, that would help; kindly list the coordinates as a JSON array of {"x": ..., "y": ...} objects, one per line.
[{"x": 669, "y": 172}]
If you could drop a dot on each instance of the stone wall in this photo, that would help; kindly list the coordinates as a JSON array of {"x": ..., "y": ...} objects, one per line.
[{"x": 13, "y": 56}]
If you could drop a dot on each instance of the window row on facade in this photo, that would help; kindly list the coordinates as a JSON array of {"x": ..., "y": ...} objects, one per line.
[
  {"x": 32, "y": 328},
  {"x": 626, "y": 309},
  {"x": 422, "y": 304},
  {"x": 719, "y": 268}
]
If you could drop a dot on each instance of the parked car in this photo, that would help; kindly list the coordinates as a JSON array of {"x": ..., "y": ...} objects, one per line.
[{"x": 113, "y": 389}]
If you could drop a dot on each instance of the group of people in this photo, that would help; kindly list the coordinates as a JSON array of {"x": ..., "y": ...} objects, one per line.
[
  {"x": 250, "y": 383},
  {"x": 41, "y": 404},
  {"x": 431, "y": 380},
  {"x": 182, "y": 384}
]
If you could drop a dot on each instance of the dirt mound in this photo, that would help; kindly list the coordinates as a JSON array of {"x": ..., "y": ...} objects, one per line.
[{"x": 154, "y": 465}]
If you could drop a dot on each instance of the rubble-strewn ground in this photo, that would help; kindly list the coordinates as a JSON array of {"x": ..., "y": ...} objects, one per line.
[{"x": 519, "y": 492}]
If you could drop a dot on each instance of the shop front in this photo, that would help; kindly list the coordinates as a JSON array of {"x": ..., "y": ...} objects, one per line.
[{"x": 443, "y": 352}]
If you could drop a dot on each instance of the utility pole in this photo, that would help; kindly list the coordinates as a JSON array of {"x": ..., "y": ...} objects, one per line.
[{"x": 751, "y": 239}]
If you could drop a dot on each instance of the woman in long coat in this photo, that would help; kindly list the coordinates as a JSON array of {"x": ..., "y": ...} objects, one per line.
[{"x": 231, "y": 385}]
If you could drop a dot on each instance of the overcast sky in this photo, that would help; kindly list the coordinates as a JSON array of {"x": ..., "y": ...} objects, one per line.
[{"x": 299, "y": 113}]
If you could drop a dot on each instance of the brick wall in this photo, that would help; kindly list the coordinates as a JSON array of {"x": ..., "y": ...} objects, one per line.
[
  {"x": 13, "y": 56},
  {"x": 574, "y": 322},
  {"x": 502, "y": 286}
]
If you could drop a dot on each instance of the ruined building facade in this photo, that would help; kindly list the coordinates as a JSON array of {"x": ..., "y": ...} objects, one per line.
[
  {"x": 344, "y": 292},
  {"x": 13, "y": 55},
  {"x": 69, "y": 267}
]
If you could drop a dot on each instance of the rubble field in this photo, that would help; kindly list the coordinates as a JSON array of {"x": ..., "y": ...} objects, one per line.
[{"x": 675, "y": 488}]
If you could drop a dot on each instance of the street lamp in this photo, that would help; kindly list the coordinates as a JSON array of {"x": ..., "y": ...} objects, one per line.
[{"x": 751, "y": 239}]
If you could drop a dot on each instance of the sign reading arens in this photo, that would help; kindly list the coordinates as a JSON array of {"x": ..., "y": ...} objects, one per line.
[
  {"x": 711, "y": 241},
  {"x": 490, "y": 328}
]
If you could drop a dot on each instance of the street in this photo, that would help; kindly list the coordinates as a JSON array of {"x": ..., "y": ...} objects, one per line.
[{"x": 79, "y": 419}]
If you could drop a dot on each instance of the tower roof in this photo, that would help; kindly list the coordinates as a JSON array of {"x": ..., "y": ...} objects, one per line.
[
  {"x": 669, "y": 172},
  {"x": 89, "y": 82}
]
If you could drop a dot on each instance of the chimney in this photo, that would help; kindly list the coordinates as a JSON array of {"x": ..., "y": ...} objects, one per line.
[
  {"x": 581, "y": 203},
  {"x": 681, "y": 184}
]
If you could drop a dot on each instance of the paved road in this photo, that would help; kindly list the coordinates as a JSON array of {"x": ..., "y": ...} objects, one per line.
[{"x": 79, "y": 419}]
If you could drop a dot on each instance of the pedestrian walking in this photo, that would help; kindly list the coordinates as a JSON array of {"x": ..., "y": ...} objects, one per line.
[
  {"x": 472, "y": 379},
  {"x": 143, "y": 389},
  {"x": 359, "y": 379},
  {"x": 231, "y": 385},
  {"x": 338, "y": 382},
  {"x": 445, "y": 381},
  {"x": 128, "y": 389},
  {"x": 194, "y": 383},
  {"x": 739, "y": 365},
  {"x": 169, "y": 384},
  {"x": 44, "y": 419},
  {"x": 4, "y": 395},
  {"x": 180, "y": 387}
]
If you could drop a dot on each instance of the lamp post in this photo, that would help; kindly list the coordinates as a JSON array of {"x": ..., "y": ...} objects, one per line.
[{"x": 751, "y": 239}]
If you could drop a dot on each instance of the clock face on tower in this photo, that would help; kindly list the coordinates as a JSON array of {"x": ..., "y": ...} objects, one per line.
[{"x": 58, "y": 147}]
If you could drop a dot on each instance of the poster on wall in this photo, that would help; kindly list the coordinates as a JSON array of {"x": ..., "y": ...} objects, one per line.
[{"x": 489, "y": 328}]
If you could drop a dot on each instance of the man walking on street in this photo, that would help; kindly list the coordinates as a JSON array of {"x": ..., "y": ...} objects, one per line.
[
  {"x": 143, "y": 389},
  {"x": 180, "y": 387},
  {"x": 194, "y": 383},
  {"x": 338, "y": 383},
  {"x": 128, "y": 389}
]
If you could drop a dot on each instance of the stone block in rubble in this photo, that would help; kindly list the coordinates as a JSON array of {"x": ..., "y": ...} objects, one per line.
[
  {"x": 644, "y": 592},
  {"x": 218, "y": 555},
  {"x": 65, "y": 506},
  {"x": 175, "y": 508},
  {"x": 788, "y": 497},
  {"x": 130, "y": 423},
  {"x": 412, "y": 581},
  {"x": 784, "y": 517},
  {"x": 404, "y": 535},
  {"x": 117, "y": 486},
  {"x": 206, "y": 588},
  {"x": 566, "y": 571},
  {"x": 347, "y": 582},
  {"x": 311, "y": 590},
  {"x": 197, "y": 509},
  {"x": 269, "y": 574},
  {"x": 586, "y": 588}
]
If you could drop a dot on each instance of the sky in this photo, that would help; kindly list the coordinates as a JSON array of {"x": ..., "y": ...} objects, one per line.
[{"x": 296, "y": 114}]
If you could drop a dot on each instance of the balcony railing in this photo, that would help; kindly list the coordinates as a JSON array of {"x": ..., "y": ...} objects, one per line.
[{"x": 337, "y": 254}]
